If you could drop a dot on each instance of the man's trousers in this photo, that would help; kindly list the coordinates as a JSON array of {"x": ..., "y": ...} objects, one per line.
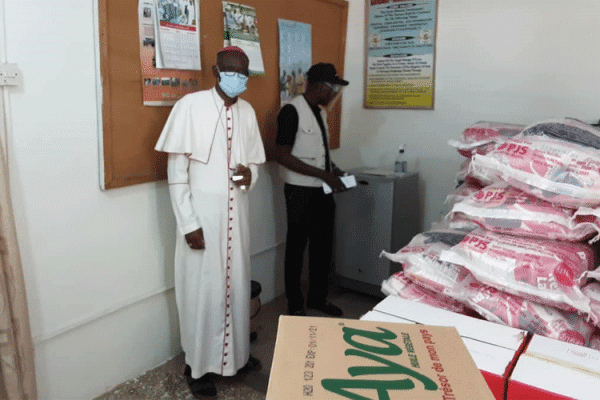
[{"x": 310, "y": 217}]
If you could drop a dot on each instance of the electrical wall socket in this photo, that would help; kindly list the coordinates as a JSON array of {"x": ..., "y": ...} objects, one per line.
[{"x": 10, "y": 75}]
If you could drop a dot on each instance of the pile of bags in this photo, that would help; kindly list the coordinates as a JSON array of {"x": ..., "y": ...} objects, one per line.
[{"x": 517, "y": 246}]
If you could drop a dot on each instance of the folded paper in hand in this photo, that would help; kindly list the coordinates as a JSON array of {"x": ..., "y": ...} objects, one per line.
[{"x": 349, "y": 181}]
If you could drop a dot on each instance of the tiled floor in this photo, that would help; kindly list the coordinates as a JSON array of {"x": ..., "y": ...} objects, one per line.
[{"x": 167, "y": 382}]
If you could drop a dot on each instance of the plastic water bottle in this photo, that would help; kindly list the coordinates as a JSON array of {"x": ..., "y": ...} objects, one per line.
[{"x": 400, "y": 165}]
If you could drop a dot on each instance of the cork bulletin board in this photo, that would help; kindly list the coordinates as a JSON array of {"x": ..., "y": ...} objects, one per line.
[{"x": 130, "y": 130}]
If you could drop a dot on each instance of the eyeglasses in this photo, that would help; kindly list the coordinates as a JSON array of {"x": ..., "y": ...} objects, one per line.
[{"x": 335, "y": 87}]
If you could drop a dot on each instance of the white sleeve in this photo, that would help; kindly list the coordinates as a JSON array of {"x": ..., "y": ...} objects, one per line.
[{"x": 181, "y": 196}]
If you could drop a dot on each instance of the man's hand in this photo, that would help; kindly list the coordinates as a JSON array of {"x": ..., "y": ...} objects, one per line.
[
  {"x": 195, "y": 239},
  {"x": 338, "y": 172},
  {"x": 334, "y": 182},
  {"x": 245, "y": 173}
]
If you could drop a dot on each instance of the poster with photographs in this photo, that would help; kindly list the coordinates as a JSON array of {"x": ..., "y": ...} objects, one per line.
[
  {"x": 241, "y": 29},
  {"x": 295, "y": 57},
  {"x": 400, "y": 54},
  {"x": 160, "y": 87}
]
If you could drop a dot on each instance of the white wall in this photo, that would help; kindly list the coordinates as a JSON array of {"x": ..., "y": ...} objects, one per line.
[
  {"x": 98, "y": 265},
  {"x": 506, "y": 61}
]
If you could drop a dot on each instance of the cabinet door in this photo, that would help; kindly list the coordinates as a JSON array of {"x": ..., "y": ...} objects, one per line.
[{"x": 363, "y": 230}]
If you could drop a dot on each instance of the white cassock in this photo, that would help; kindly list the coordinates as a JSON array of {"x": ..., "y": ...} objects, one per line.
[{"x": 206, "y": 141}]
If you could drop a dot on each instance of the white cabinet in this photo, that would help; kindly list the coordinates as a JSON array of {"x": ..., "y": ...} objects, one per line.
[{"x": 381, "y": 213}]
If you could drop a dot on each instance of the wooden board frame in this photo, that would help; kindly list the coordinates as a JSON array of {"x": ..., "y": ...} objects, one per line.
[{"x": 130, "y": 130}]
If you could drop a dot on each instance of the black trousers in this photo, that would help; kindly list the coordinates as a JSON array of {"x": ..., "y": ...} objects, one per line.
[{"x": 310, "y": 216}]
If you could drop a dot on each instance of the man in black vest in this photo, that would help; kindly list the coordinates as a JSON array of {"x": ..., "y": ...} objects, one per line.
[{"x": 302, "y": 147}]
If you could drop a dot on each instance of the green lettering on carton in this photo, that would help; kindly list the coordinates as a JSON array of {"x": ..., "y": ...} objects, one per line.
[
  {"x": 338, "y": 386},
  {"x": 390, "y": 349}
]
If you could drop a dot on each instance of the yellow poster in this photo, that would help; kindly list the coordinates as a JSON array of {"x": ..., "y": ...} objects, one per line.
[{"x": 400, "y": 62}]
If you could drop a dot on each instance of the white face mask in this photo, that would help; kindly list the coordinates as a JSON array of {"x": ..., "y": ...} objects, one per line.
[{"x": 232, "y": 83}]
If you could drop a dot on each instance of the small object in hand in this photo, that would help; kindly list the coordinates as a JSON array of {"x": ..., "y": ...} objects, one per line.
[{"x": 237, "y": 178}]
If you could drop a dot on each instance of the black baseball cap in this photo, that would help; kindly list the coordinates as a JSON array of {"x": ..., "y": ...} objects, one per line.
[{"x": 324, "y": 72}]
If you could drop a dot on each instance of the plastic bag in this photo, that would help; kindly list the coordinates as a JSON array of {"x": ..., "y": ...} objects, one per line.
[
  {"x": 595, "y": 341},
  {"x": 564, "y": 172},
  {"x": 480, "y": 138},
  {"x": 592, "y": 291},
  {"x": 421, "y": 263},
  {"x": 544, "y": 271},
  {"x": 462, "y": 192},
  {"x": 400, "y": 285},
  {"x": 505, "y": 209},
  {"x": 589, "y": 217},
  {"x": 517, "y": 312}
]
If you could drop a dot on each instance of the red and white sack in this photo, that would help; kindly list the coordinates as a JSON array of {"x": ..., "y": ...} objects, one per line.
[
  {"x": 589, "y": 217},
  {"x": 595, "y": 341},
  {"x": 566, "y": 129},
  {"x": 456, "y": 222},
  {"x": 505, "y": 209},
  {"x": 400, "y": 285},
  {"x": 592, "y": 291},
  {"x": 421, "y": 263},
  {"x": 554, "y": 169},
  {"x": 481, "y": 137},
  {"x": 517, "y": 312},
  {"x": 544, "y": 271},
  {"x": 463, "y": 176},
  {"x": 462, "y": 192}
]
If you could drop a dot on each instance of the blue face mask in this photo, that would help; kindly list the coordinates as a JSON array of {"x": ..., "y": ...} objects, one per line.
[{"x": 232, "y": 83}]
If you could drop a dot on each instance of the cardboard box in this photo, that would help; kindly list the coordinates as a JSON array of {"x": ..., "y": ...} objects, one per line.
[
  {"x": 468, "y": 327},
  {"x": 491, "y": 359},
  {"x": 329, "y": 358},
  {"x": 551, "y": 369}
]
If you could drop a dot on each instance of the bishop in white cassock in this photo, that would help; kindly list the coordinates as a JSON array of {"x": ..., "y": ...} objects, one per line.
[{"x": 214, "y": 146}]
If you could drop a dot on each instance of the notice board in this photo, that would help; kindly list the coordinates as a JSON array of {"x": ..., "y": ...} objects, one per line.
[{"x": 130, "y": 130}]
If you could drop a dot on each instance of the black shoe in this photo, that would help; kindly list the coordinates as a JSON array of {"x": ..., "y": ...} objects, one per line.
[
  {"x": 327, "y": 308},
  {"x": 201, "y": 388},
  {"x": 298, "y": 313},
  {"x": 253, "y": 364}
]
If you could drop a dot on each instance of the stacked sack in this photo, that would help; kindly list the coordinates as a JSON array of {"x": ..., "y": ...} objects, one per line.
[{"x": 528, "y": 205}]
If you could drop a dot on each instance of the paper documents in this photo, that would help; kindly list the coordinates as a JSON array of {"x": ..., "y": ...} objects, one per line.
[{"x": 349, "y": 181}]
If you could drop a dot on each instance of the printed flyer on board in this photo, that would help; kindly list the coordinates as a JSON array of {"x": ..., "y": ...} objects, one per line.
[
  {"x": 177, "y": 32},
  {"x": 160, "y": 87},
  {"x": 400, "y": 62},
  {"x": 295, "y": 55}
]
